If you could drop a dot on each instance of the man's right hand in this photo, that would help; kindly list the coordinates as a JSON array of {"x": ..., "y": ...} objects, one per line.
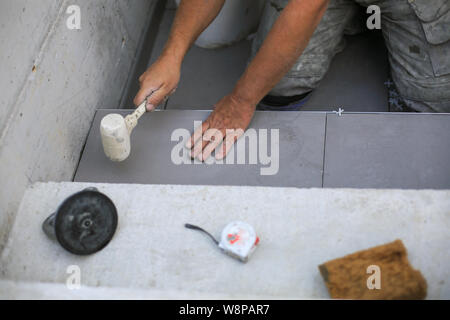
[{"x": 158, "y": 82}]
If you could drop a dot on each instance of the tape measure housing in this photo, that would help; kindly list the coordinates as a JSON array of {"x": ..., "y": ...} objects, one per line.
[{"x": 239, "y": 240}]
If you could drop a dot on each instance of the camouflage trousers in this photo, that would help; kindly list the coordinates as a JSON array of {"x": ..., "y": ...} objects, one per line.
[{"x": 417, "y": 36}]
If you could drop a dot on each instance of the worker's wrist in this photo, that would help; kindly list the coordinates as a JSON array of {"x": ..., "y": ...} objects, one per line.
[
  {"x": 244, "y": 97},
  {"x": 242, "y": 102}
]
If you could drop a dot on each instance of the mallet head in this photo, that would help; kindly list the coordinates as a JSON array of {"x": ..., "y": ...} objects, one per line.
[
  {"x": 116, "y": 130},
  {"x": 115, "y": 137}
]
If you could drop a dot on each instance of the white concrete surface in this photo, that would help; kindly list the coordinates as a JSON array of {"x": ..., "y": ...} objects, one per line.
[
  {"x": 13, "y": 290},
  {"x": 299, "y": 229},
  {"x": 52, "y": 81}
]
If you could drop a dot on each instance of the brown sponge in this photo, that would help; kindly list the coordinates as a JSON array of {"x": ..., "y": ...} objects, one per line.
[{"x": 347, "y": 277}]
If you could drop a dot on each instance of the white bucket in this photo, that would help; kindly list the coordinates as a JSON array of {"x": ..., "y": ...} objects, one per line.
[{"x": 236, "y": 20}]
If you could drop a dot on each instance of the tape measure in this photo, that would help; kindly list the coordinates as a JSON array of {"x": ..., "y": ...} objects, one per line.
[{"x": 238, "y": 239}]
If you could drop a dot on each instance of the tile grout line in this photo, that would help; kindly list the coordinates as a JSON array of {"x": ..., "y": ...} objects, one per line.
[
  {"x": 83, "y": 147},
  {"x": 324, "y": 149},
  {"x": 165, "y": 104}
]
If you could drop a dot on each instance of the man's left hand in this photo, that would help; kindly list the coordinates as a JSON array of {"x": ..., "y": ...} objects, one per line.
[{"x": 227, "y": 123}]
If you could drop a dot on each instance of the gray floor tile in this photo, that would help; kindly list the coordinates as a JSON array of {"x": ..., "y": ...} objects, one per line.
[
  {"x": 388, "y": 151},
  {"x": 355, "y": 80},
  {"x": 207, "y": 75},
  {"x": 300, "y": 163}
]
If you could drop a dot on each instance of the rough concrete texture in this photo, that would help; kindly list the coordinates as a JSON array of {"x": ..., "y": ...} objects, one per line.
[
  {"x": 10, "y": 290},
  {"x": 299, "y": 230},
  {"x": 53, "y": 79}
]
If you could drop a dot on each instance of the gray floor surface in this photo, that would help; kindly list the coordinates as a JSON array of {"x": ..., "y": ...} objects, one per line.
[
  {"x": 396, "y": 150},
  {"x": 301, "y": 140},
  {"x": 316, "y": 149}
]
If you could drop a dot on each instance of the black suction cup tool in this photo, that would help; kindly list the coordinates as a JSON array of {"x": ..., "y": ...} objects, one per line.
[{"x": 84, "y": 223}]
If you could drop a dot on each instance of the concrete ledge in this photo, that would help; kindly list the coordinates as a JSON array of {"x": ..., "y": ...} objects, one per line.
[
  {"x": 12, "y": 290},
  {"x": 299, "y": 229}
]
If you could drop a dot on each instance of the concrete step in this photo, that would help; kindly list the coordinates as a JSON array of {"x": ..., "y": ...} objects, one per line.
[
  {"x": 152, "y": 254},
  {"x": 57, "y": 291}
]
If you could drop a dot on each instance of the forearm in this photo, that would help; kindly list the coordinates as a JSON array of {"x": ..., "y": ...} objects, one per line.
[
  {"x": 283, "y": 45},
  {"x": 192, "y": 17}
]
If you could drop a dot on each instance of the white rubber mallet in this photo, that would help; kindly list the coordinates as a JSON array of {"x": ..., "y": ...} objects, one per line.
[{"x": 116, "y": 130}]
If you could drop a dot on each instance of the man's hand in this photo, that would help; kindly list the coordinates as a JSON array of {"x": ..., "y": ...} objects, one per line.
[
  {"x": 227, "y": 123},
  {"x": 158, "y": 82},
  {"x": 284, "y": 44}
]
